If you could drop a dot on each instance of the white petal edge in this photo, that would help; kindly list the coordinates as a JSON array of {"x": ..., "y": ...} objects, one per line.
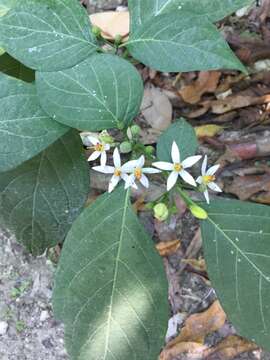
[
  {"x": 199, "y": 180},
  {"x": 190, "y": 161},
  {"x": 129, "y": 166},
  {"x": 93, "y": 140},
  {"x": 213, "y": 186},
  {"x": 187, "y": 178},
  {"x": 150, "y": 171},
  {"x": 212, "y": 170},
  {"x": 104, "y": 169},
  {"x": 172, "y": 179},
  {"x": 175, "y": 153},
  {"x": 103, "y": 158},
  {"x": 144, "y": 181},
  {"x": 206, "y": 195},
  {"x": 204, "y": 165},
  {"x": 94, "y": 156},
  {"x": 116, "y": 158},
  {"x": 113, "y": 183},
  {"x": 163, "y": 165}
]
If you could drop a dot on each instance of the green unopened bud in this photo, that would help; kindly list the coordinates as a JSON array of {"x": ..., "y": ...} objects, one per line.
[
  {"x": 161, "y": 212},
  {"x": 135, "y": 130},
  {"x": 120, "y": 125},
  {"x": 118, "y": 39},
  {"x": 125, "y": 147},
  {"x": 96, "y": 31},
  {"x": 149, "y": 150},
  {"x": 106, "y": 138},
  {"x": 198, "y": 212}
]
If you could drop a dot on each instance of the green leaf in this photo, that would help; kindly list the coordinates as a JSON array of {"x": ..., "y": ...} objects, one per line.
[
  {"x": 110, "y": 287},
  {"x": 181, "y": 42},
  {"x": 94, "y": 95},
  {"x": 236, "y": 240},
  {"x": 25, "y": 129},
  {"x": 47, "y": 35},
  {"x": 40, "y": 199},
  {"x": 12, "y": 67},
  {"x": 141, "y": 10},
  {"x": 6, "y": 5},
  {"x": 184, "y": 136}
]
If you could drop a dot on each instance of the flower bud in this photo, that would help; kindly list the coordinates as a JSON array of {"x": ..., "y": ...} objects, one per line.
[
  {"x": 106, "y": 138},
  {"x": 161, "y": 212},
  {"x": 118, "y": 39},
  {"x": 198, "y": 212},
  {"x": 125, "y": 147},
  {"x": 96, "y": 31},
  {"x": 149, "y": 150},
  {"x": 135, "y": 130}
]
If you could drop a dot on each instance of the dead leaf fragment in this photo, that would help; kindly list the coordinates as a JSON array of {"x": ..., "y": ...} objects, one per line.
[
  {"x": 190, "y": 347},
  {"x": 209, "y": 130},
  {"x": 166, "y": 248},
  {"x": 229, "y": 348},
  {"x": 112, "y": 23},
  {"x": 196, "y": 264},
  {"x": 246, "y": 186},
  {"x": 207, "y": 82}
]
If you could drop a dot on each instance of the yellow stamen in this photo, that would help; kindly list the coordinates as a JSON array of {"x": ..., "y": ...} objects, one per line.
[
  {"x": 117, "y": 172},
  {"x": 208, "y": 179},
  {"x": 138, "y": 173},
  {"x": 99, "y": 147},
  {"x": 178, "y": 167}
]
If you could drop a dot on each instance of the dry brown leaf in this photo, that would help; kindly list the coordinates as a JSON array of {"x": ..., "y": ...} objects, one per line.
[
  {"x": 112, "y": 23},
  {"x": 207, "y": 82},
  {"x": 246, "y": 186},
  {"x": 166, "y": 248},
  {"x": 197, "y": 264},
  {"x": 229, "y": 348},
  {"x": 208, "y": 130},
  {"x": 190, "y": 347},
  {"x": 197, "y": 326}
]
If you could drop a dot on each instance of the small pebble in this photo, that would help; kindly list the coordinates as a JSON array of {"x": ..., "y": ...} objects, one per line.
[{"x": 3, "y": 327}]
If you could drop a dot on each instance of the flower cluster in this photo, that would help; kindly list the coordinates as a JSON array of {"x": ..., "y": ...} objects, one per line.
[{"x": 134, "y": 171}]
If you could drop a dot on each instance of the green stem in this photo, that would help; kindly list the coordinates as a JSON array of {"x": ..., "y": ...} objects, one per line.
[{"x": 185, "y": 197}]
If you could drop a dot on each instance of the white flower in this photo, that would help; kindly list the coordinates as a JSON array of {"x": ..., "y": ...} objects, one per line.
[
  {"x": 137, "y": 171},
  {"x": 116, "y": 170},
  {"x": 178, "y": 167},
  {"x": 207, "y": 179},
  {"x": 100, "y": 150}
]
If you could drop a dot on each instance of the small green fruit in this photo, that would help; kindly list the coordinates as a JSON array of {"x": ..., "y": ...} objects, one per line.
[
  {"x": 135, "y": 130},
  {"x": 118, "y": 39},
  {"x": 198, "y": 212},
  {"x": 106, "y": 138},
  {"x": 161, "y": 212},
  {"x": 125, "y": 147},
  {"x": 96, "y": 31},
  {"x": 149, "y": 150}
]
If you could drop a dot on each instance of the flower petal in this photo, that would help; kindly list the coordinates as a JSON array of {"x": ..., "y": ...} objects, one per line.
[
  {"x": 113, "y": 182},
  {"x": 104, "y": 169},
  {"x": 163, "y": 165},
  {"x": 150, "y": 171},
  {"x": 199, "y": 180},
  {"x": 93, "y": 140},
  {"x": 140, "y": 161},
  {"x": 187, "y": 178},
  {"x": 107, "y": 147},
  {"x": 175, "y": 153},
  {"x": 213, "y": 186},
  {"x": 129, "y": 166},
  {"x": 204, "y": 165},
  {"x": 116, "y": 158},
  {"x": 212, "y": 170},
  {"x": 171, "y": 181},
  {"x": 130, "y": 182},
  {"x": 144, "y": 181},
  {"x": 190, "y": 161},
  {"x": 103, "y": 158},
  {"x": 94, "y": 156},
  {"x": 206, "y": 195}
]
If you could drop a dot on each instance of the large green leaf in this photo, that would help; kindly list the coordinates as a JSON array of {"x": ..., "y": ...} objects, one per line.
[
  {"x": 6, "y": 5},
  {"x": 236, "y": 240},
  {"x": 47, "y": 35},
  {"x": 184, "y": 136},
  {"x": 181, "y": 42},
  {"x": 142, "y": 10},
  {"x": 25, "y": 129},
  {"x": 40, "y": 199},
  {"x": 110, "y": 287},
  {"x": 13, "y": 67},
  {"x": 96, "y": 94}
]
